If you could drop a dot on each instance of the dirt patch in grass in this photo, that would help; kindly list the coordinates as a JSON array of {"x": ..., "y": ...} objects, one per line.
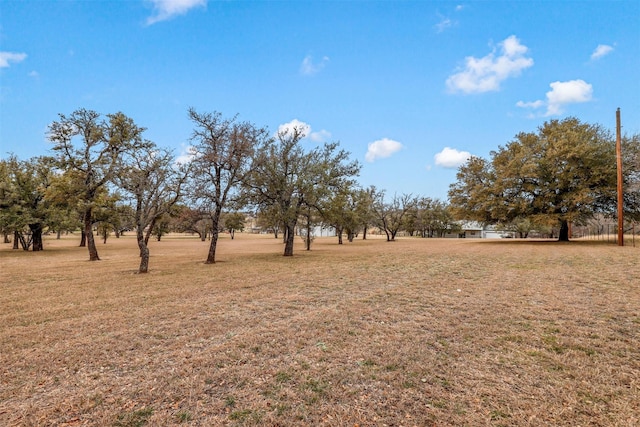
[{"x": 416, "y": 332}]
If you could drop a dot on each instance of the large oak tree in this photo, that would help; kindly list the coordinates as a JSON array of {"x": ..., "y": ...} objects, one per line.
[
  {"x": 565, "y": 172},
  {"x": 91, "y": 148}
]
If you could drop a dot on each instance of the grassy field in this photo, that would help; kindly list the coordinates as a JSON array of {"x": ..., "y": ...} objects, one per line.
[{"x": 416, "y": 332}]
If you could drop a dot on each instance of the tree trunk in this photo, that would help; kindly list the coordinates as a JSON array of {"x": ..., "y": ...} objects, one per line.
[
  {"x": 288, "y": 245},
  {"x": 91, "y": 243},
  {"x": 144, "y": 252},
  {"x": 232, "y": 233},
  {"x": 563, "y": 236},
  {"x": 36, "y": 235},
  {"x": 6, "y": 238},
  {"x": 339, "y": 233},
  {"x": 83, "y": 238},
  {"x": 308, "y": 239},
  {"x": 211, "y": 257},
  {"x": 16, "y": 237},
  {"x": 149, "y": 231},
  {"x": 364, "y": 233}
]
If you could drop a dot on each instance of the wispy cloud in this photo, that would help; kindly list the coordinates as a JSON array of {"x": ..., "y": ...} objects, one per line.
[
  {"x": 443, "y": 24},
  {"x": 601, "y": 50},
  {"x": 6, "y": 58},
  {"x": 561, "y": 95},
  {"x": 167, "y": 9},
  {"x": 487, "y": 73},
  {"x": 381, "y": 149},
  {"x": 451, "y": 158},
  {"x": 305, "y": 129},
  {"x": 309, "y": 67}
]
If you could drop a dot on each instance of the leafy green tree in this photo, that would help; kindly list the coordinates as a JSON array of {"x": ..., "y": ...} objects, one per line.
[
  {"x": 25, "y": 208},
  {"x": 223, "y": 151},
  {"x": 365, "y": 202},
  {"x": 91, "y": 147},
  {"x": 269, "y": 218},
  {"x": 162, "y": 226},
  {"x": 565, "y": 172},
  {"x": 288, "y": 180},
  {"x": 433, "y": 218},
  {"x": 234, "y": 221},
  {"x": 7, "y": 200},
  {"x": 342, "y": 212}
]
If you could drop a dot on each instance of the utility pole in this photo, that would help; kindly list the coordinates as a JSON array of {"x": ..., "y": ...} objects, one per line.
[{"x": 620, "y": 192}]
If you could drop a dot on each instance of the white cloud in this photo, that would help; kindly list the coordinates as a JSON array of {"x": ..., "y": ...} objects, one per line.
[
  {"x": 601, "y": 51},
  {"x": 533, "y": 104},
  {"x": 451, "y": 158},
  {"x": 302, "y": 127},
  {"x": 485, "y": 74},
  {"x": 381, "y": 149},
  {"x": 563, "y": 93},
  {"x": 34, "y": 74},
  {"x": 320, "y": 136},
  {"x": 167, "y": 9},
  {"x": 560, "y": 95},
  {"x": 305, "y": 129},
  {"x": 7, "y": 57},
  {"x": 308, "y": 67}
]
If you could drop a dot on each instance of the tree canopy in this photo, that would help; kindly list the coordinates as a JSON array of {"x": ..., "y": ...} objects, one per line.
[
  {"x": 288, "y": 179},
  {"x": 565, "y": 172}
]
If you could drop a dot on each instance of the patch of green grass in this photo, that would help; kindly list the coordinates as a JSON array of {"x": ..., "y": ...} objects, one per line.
[
  {"x": 184, "y": 416},
  {"x": 498, "y": 414},
  {"x": 281, "y": 409},
  {"x": 134, "y": 419},
  {"x": 392, "y": 367},
  {"x": 367, "y": 363},
  {"x": 316, "y": 386},
  {"x": 283, "y": 377},
  {"x": 229, "y": 401}
]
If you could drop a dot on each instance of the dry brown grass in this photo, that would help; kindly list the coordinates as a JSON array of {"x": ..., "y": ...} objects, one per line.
[{"x": 411, "y": 333}]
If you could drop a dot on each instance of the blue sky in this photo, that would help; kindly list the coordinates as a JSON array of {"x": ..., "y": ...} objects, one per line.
[{"x": 410, "y": 88}]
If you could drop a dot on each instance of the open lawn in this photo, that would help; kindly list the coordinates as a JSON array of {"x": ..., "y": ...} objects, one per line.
[{"x": 416, "y": 332}]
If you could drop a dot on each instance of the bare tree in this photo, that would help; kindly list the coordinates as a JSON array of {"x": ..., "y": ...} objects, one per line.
[
  {"x": 154, "y": 184},
  {"x": 390, "y": 216},
  {"x": 222, "y": 151}
]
